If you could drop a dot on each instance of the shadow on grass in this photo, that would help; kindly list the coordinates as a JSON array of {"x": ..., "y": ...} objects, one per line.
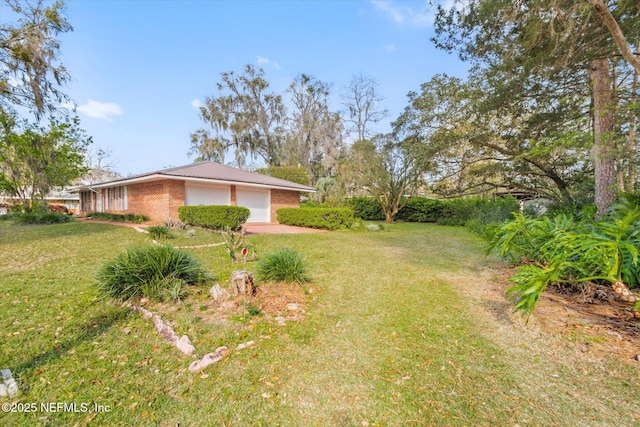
[{"x": 91, "y": 329}]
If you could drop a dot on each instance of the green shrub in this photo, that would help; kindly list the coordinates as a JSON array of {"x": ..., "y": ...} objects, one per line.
[
  {"x": 235, "y": 245},
  {"x": 155, "y": 271},
  {"x": 160, "y": 232},
  {"x": 374, "y": 227},
  {"x": 421, "y": 209},
  {"x": 214, "y": 217},
  {"x": 366, "y": 208},
  {"x": 329, "y": 218},
  {"x": 284, "y": 265},
  {"x": 34, "y": 218},
  {"x": 566, "y": 248},
  {"x": 313, "y": 204},
  {"x": 106, "y": 216}
]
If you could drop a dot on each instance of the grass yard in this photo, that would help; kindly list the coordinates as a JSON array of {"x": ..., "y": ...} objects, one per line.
[{"x": 402, "y": 328}]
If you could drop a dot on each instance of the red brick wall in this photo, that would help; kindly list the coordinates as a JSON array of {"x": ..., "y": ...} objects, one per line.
[
  {"x": 283, "y": 199},
  {"x": 233, "y": 195},
  {"x": 158, "y": 200},
  {"x": 176, "y": 196}
]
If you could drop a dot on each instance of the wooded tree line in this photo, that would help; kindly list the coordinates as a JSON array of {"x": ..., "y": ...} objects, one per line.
[
  {"x": 549, "y": 106},
  {"x": 248, "y": 120}
]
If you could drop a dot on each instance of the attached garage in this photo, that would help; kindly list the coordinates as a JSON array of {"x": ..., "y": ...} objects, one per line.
[
  {"x": 160, "y": 194},
  {"x": 206, "y": 195},
  {"x": 258, "y": 202}
]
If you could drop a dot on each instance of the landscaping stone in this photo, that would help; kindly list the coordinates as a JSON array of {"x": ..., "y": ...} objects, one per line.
[
  {"x": 9, "y": 387},
  {"x": 217, "y": 293},
  {"x": 245, "y": 345},
  {"x": 183, "y": 343},
  {"x": 164, "y": 330},
  {"x": 185, "y": 346},
  {"x": 146, "y": 314},
  {"x": 209, "y": 359},
  {"x": 242, "y": 283},
  {"x": 294, "y": 307}
]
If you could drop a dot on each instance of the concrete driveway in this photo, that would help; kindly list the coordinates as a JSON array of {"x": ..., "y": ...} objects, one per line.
[{"x": 268, "y": 228}]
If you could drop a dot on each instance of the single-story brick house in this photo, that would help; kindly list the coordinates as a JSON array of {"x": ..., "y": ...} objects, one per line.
[{"x": 159, "y": 194}]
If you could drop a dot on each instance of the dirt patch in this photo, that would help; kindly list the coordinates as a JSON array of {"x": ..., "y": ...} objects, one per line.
[
  {"x": 594, "y": 320},
  {"x": 275, "y": 297}
]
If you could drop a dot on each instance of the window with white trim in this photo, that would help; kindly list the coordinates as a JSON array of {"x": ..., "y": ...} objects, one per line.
[
  {"x": 86, "y": 201},
  {"x": 116, "y": 198}
]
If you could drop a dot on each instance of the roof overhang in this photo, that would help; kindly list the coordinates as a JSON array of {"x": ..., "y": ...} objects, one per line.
[{"x": 160, "y": 176}]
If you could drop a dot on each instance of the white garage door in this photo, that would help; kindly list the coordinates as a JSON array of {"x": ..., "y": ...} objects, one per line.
[
  {"x": 258, "y": 202},
  {"x": 196, "y": 195}
]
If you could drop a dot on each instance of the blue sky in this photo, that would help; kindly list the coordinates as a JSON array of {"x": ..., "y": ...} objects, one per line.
[{"x": 140, "y": 66}]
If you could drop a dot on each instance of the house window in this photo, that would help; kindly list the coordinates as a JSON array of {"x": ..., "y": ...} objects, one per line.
[
  {"x": 86, "y": 201},
  {"x": 116, "y": 198}
]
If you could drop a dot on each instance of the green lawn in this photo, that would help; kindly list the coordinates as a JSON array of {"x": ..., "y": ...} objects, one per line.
[{"x": 398, "y": 332}]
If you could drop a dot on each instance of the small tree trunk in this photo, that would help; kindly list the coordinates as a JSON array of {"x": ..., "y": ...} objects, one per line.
[
  {"x": 631, "y": 142},
  {"x": 603, "y": 147}
]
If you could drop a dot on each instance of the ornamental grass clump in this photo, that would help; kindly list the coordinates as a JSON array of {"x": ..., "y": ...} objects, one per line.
[
  {"x": 283, "y": 265},
  {"x": 157, "y": 272},
  {"x": 160, "y": 232}
]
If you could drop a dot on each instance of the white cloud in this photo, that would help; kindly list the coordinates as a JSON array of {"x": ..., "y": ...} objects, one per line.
[
  {"x": 387, "y": 8},
  {"x": 100, "y": 110},
  {"x": 401, "y": 15},
  {"x": 195, "y": 103},
  {"x": 390, "y": 48},
  {"x": 261, "y": 60}
]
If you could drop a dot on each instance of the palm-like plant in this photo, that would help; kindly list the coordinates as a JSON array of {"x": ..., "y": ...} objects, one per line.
[{"x": 561, "y": 249}]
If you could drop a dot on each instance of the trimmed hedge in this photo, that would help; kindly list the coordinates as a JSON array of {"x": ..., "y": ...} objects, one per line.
[
  {"x": 106, "y": 216},
  {"x": 215, "y": 217},
  {"x": 421, "y": 209},
  {"x": 329, "y": 218},
  {"x": 366, "y": 208},
  {"x": 444, "y": 212},
  {"x": 35, "y": 218}
]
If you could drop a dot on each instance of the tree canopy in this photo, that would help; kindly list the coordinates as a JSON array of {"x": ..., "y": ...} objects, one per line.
[
  {"x": 30, "y": 74},
  {"x": 544, "y": 61},
  {"x": 34, "y": 159}
]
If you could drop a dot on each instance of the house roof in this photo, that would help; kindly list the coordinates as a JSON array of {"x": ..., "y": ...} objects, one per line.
[{"x": 208, "y": 172}]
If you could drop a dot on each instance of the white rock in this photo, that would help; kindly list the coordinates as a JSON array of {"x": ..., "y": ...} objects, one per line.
[
  {"x": 245, "y": 345},
  {"x": 3, "y": 391},
  {"x": 12, "y": 387},
  {"x": 185, "y": 346},
  {"x": 208, "y": 359},
  {"x": 217, "y": 292},
  {"x": 294, "y": 307}
]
